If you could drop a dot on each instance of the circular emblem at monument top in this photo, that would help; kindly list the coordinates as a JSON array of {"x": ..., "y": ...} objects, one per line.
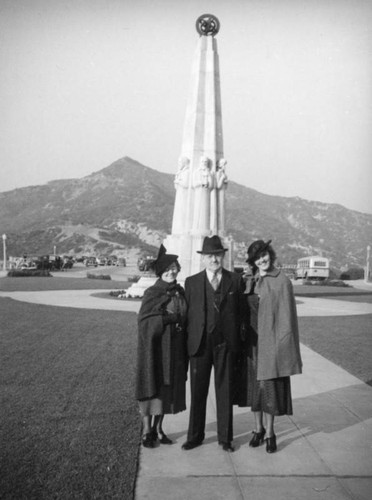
[{"x": 207, "y": 25}]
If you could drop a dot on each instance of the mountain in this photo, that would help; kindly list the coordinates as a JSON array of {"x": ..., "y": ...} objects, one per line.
[{"x": 130, "y": 206}]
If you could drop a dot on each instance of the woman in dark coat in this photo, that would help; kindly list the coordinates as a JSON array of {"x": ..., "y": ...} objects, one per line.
[
  {"x": 162, "y": 358},
  {"x": 272, "y": 343}
]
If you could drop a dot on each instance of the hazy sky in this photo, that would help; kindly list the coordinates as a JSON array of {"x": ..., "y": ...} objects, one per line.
[{"x": 86, "y": 82}]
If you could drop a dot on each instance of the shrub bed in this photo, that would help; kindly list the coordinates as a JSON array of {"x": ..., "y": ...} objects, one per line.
[
  {"x": 23, "y": 273},
  {"x": 98, "y": 276},
  {"x": 133, "y": 279},
  {"x": 338, "y": 283},
  {"x": 117, "y": 293}
]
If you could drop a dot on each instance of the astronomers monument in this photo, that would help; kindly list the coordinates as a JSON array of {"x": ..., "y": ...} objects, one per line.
[{"x": 201, "y": 179}]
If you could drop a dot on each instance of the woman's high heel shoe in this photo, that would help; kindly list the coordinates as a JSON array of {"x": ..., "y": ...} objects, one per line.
[
  {"x": 258, "y": 438},
  {"x": 271, "y": 444},
  {"x": 154, "y": 435},
  {"x": 164, "y": 439},
  {"x": 148, "y": 440}
]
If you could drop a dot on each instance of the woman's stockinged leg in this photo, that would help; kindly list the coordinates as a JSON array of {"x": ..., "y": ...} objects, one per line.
[
  {"x": 259, "y": 432},
  {"x": 269, "y": 425},
  {"x": 157, "y": 426},
  {"x": 146, "y": 424},
  {"x": 147, "y": 439},
  {"x": 258, "y": 418},
  {"x": 157, "y": 430},
  {"x": 271, "y": 438}
]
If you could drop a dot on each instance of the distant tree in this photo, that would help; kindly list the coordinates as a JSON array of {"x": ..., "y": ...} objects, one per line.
[
  {"x": 334, "y": 273},
  {"x": 354, "y": 273}
]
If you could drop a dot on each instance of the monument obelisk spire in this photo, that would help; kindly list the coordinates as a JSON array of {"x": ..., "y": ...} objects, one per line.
[{"x": 201, "y": 179}]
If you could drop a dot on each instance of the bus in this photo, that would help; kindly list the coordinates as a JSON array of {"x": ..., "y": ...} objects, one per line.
[{"x": 314, "y": 267}]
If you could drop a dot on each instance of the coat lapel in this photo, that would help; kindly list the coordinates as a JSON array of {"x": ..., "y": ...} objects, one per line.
[
  {"x": 199, "y": 289},
  {"x": 225, "y": 284}
]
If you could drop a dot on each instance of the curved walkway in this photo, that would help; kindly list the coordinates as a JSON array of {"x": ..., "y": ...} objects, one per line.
[
  {"x": 86, "y": 299},
  {"x": 324, "y": 449},
  {"x": 82, "y": 299}
]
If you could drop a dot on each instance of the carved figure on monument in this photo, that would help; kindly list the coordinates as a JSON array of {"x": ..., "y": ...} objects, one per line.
[
  {"x": 202, "y": 184},
  {"x": 181, "y": 183},
  {"x": 217, "y": 203},
  {"x": 221, "y": 177},
  {"x": 221, "y": 182}
]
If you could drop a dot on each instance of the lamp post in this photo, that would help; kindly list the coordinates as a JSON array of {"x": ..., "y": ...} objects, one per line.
[
  {"x": 366, "y": 277},
  {"x": 4, "y": 252}
]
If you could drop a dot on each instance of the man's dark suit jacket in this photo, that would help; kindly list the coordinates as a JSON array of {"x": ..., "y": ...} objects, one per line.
[{"x": 231, "y": 310}]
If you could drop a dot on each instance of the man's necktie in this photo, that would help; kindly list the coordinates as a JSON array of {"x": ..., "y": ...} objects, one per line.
[{"x": 214, "y": 282}]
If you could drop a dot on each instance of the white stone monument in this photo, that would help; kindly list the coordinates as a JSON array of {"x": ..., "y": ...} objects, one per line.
[{"x": 201, "y": 178}]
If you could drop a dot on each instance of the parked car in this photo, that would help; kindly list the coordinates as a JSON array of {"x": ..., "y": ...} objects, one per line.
[
  {"x": 144, "y": 263},
  {"x": 121, "y": 261},
  {"x": 68, "y": 262},
  {"x": 102, "y": 260},
  {"x": 51, "y": 262},
  {"x": 91, "y": 261},
  {"x": 29, "y": 265},
  {"x": 112, "y": 260}
]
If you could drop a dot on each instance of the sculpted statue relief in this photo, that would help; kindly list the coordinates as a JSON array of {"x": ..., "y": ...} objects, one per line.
[
  {"x": 200, "y": 196},
  {"x": 221, "y": 177},
  {"x": 202, "y": 184},
  {"x": 202, "y": 176},
  {"x": 181, "y": 183},
  {"x": 183, "y": 173},
  {"x": 221, "y": 181},
  {"x": 217, "y": 198}
]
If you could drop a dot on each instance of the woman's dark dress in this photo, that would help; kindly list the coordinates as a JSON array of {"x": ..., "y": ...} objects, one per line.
[
  {"x": 162, "y": 358},
  {"x": 270, "y": 396}
]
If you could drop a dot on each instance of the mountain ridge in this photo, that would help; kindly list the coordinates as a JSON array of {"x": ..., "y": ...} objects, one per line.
[{"x": 129, "y": 205}]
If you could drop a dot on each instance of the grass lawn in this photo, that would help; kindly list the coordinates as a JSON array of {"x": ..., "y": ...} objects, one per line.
[
  {"x": 345, "y": 340},
  {"x": 54, "y": 283},
  {"x": 334, "y": 292},
  {"x": 69, "y": 422},
  {"x": 367, "y": 298}
]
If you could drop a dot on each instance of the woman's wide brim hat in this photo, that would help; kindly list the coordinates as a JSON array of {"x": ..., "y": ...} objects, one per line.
[
  {"x": 163, "y": 261},
  {"x": 212, "y": 245},
  {"x": 256, "y": 249}
]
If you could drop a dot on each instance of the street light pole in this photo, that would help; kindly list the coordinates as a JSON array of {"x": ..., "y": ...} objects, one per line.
[
  {"x": 4, "y": 252},
  {"x": 366, "y": 277}
]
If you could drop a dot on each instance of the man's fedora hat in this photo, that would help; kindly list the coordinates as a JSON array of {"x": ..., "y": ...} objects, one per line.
[
  {"x": 256, "y": 249},
  {"x": 212, "y": 245}
]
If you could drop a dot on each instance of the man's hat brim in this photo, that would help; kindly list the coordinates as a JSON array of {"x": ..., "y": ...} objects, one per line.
[
  {"x": 208, "y": 252},
  {"x": 212, "y": 245}
]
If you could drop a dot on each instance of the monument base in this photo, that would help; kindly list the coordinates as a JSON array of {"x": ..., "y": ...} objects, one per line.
[{"x": 138, "y": 289}]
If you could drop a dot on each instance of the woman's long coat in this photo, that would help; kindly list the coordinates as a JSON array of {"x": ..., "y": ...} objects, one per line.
[
  {"x": 278, "y": 339},
  {"x": 161, "y": 353}
]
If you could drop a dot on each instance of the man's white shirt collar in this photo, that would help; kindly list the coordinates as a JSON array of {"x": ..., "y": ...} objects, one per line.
[{"x": 210, "y": 275}]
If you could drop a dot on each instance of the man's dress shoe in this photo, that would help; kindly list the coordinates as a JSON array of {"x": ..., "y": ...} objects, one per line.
[
  {"x": 189, "y": 445},
  {"x": 227, "y": 446}
]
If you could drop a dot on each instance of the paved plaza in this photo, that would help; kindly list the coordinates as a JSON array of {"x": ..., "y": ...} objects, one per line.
[{"x": 324, "y": 449}]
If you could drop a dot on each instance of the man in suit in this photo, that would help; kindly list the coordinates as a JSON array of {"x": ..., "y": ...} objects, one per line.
[{"x": 215, "y": 314}]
